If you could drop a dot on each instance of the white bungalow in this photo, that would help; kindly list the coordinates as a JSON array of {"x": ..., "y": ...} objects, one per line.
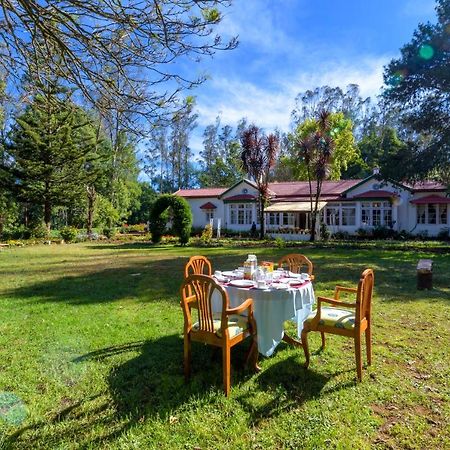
[{"x": 346, "y": 205}]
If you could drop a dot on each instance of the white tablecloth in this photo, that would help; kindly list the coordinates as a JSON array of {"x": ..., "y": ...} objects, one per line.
[{"x": 272, "y": 307}]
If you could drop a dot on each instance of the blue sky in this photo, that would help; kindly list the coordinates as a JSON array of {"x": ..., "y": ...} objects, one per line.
[{"x": 288, "y": 46}]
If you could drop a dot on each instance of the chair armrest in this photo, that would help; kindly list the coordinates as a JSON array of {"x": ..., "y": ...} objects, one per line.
[
  {"x": 339, "y": 289},
  {"x": 334, "y": 302},
  {"x": 241, "y": 308}
]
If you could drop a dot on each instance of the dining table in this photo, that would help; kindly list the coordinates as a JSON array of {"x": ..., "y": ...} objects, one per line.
[{"x": 288, "y": 297}]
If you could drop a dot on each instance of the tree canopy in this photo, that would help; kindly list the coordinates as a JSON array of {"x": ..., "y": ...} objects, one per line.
[
  {"x": 123, "y": 50},
  {"x": 345, "y": 150},
  {"x": 419, "y": 84}
]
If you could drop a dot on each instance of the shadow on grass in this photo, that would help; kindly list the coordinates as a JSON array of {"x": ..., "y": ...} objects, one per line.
[
  {"x": 288, "y": 384},
  {"x": 149, "y": 386},
  {"x": 147, "y": 280}
]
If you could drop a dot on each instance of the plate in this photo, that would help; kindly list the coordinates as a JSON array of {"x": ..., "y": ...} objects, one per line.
[
  {"x": 242, "y": 283},
  {"x": 228, "y": 273}
]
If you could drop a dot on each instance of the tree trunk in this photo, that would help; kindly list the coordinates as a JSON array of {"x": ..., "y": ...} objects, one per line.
[
  {"x": 47, "y": 215},
  {"x": 262, "y": 227},
  {"x": 90, "y": 214}
]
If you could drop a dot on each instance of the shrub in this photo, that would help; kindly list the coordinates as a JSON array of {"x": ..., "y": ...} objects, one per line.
[
  {"x": 444, "y": 234},
  {"x": 383, "y": 233},
  {"x": 422, "y": 235},
  {"x": 39, "y": 231},
  {"x": 109, "y": 232},
  {"x": 364, "y": 233},
  {"x": 69, "y": 234},
  {"x": 341, "y": 235},
  {"x": 324, "y": 232},
  {"x": 280, "y": 242},
  {"x": 182, "y": 218},
  {"x": 207, "y": 234}
]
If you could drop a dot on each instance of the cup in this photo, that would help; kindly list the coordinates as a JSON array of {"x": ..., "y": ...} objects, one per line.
[{"x": 261, "y": 284}]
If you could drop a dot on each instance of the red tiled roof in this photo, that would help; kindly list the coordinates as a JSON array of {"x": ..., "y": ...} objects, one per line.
[
  {"x": 430, "y": 199},
  {"x": 426, "y": 186},
  {"x": 239, "y": 197},
  {"x": 376, "y": 194},
  {"x": 301, "y": 188},
  {"x": 205, "y": 192},
  {"x": 208, "y": 205}
]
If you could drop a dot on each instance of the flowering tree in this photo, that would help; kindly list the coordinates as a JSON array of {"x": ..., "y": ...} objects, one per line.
[
  {"x": 316, "y": 151},
  {"x": 258, "y": 157}
]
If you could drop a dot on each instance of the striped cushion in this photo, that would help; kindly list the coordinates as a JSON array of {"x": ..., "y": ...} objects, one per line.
[
  {"x": 335, "y": 317},
  {"x": 236, "y": 325}
]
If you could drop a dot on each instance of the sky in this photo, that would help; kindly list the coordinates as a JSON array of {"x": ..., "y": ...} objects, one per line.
[{"x": 289, "y": 46}]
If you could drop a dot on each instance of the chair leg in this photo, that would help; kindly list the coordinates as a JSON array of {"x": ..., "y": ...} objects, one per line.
[
  {"x": 226, "y": 368},
  {"x": 323, "y": 340},
  {"x": 187, "y": 357},
  {"x": 305, "y": 346},
  {"x": 358, "y": 356},
  {"x": 252, "y": 355},
  {"x": 369, "y": 344}
]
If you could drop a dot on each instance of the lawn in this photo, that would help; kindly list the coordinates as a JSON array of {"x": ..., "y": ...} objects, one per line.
[{"x": 91, "y": 357}]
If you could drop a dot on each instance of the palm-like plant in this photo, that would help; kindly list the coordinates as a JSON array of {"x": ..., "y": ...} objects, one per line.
[
  {"x": 258, "y": 157},
  {"x": 316, "y": 151}
]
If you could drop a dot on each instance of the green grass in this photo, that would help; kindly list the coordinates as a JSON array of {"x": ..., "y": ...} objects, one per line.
[{"x": 91, "y": 357}]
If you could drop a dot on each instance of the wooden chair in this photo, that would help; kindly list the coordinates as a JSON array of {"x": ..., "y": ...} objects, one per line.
[
  {"x": 224, "y": 330},
  {"x": 295, "y": 261},
  {"x": 341, "y": 320},
  {"x": 198, "y": 265}
]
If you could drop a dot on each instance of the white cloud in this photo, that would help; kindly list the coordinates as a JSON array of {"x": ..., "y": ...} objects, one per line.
[{"x": 271, "y": 106}]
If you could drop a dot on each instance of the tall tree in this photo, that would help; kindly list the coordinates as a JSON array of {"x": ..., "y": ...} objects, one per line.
[
  {"x": 316, "y": 150},
  {"x": 309, "y": 104},
  {"x": 180, "y": 153},
  {"x": 258, "y": 157},
  {"x": 344, "y": 152},
  {"x": 142, "y": 39},
  {"x": 48, "y": 150},
  {"x": 418, "y": 83},
  {"x": 221, "y": 158}
]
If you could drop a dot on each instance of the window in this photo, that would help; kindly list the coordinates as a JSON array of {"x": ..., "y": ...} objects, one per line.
[
  {"x": 443, "y": 214},
  {"x": 241, "y": 214},
  {"x": 209, "y": 215},
  {"x": 288, "y": 219},
  {"x": 332, "y": 216},
  {"x": 432, "y": 214},
  {"x": 341, "y": 214},
  {"x": 376, "y": 214},
  {"x": 273, "y": 219},
  {"x": 348, "y": 214}
]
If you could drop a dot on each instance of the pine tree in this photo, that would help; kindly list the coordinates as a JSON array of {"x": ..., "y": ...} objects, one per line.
[{"x": 48, "y": 150}]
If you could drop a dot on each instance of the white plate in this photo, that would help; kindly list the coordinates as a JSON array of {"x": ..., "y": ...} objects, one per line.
[
  {"x": 228, "y": 273},
  {"x": 242, "y": 283}
]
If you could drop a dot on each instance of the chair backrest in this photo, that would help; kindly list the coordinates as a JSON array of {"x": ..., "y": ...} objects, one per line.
[
  {"x": 295, "y": 262},
  {"x": 198, "y": 265},
  {"x": 197, "y": 291},
  {"x": 364, "y": 295}
]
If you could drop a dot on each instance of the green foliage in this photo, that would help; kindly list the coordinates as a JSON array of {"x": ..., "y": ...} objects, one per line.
[
  {"x": 141, "y": 213},
  {"x": 105, "y": 213},
  {"x": 207, "y": 234},
  {"x": 181, "y": 218},
  {"x": 48, "y": 151},
  {"x": 109, "y": 232},
  {"x": 40, "y": 231},
  {"x": 69, "y": 234},
  {"x": 418, "y": 84},
  {"x": 280, "y": 242},
  {"x": 345, "y": 149}
]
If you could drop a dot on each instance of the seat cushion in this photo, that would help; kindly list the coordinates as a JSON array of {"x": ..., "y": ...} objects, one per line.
[
  {"x": 236, "y": 325},
  {"x": 335, "y": 317}
]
